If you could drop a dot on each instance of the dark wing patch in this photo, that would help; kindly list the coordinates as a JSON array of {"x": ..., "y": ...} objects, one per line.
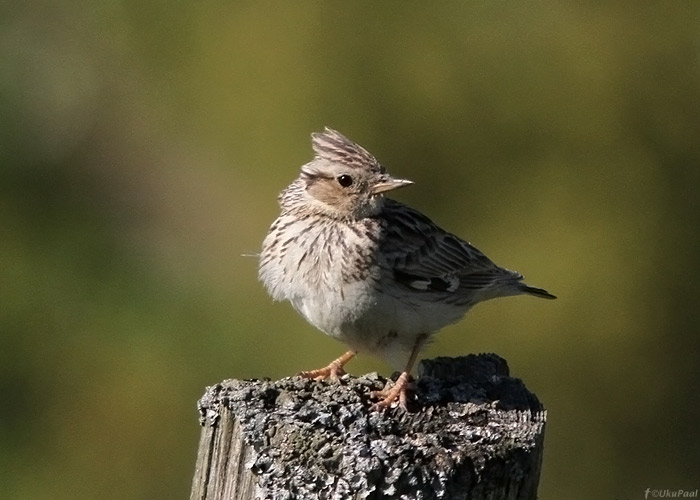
[{"x": 448, "y": 284}]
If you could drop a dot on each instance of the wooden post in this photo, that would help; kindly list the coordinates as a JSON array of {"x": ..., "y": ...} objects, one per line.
[{"x": 476, "y": 433}]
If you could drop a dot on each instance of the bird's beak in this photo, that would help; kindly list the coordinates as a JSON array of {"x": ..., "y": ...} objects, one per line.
[{"x": 389, "y": 184}]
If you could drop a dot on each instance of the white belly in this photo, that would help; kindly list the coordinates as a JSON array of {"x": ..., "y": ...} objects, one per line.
[{"x": 376, "y": 323}]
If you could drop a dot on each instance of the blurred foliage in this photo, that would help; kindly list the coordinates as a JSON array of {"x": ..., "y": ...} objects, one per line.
[{"x": 141, "y": 149}]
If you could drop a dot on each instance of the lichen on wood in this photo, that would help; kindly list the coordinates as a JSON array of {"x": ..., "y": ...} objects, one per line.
[{"x": 473, "y": 431}]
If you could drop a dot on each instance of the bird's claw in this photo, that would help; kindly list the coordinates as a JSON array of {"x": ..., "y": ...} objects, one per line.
[
  {"x": 389, "y": 395},
  {"x": 331, "y": 372}
]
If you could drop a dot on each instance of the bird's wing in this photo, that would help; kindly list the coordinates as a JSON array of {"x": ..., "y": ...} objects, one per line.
[{"x": 425, "y": 257}]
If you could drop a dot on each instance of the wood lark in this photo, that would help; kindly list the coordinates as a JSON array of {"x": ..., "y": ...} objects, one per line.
[{"x": 370, "y": 271}]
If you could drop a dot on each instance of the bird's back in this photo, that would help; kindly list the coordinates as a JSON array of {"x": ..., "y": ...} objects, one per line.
[{"x": 424, "y": 258}]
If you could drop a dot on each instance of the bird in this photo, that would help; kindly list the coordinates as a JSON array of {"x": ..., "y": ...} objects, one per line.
[{"x": 370, "y": 271}]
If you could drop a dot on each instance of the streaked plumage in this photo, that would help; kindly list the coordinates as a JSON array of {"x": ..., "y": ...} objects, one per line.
[{"x": 367, "y": 270}]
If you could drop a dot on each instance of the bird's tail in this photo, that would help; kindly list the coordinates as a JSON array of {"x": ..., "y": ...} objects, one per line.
[{"x": 538, "y": 292}]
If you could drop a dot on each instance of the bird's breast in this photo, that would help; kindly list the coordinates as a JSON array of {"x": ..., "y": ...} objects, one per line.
[{"x": 315, "y": 263}]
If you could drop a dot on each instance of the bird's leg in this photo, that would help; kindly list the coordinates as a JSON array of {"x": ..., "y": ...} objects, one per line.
[
  {"x": 334, "y": 370},
  {"x": 402, "y": 384}
]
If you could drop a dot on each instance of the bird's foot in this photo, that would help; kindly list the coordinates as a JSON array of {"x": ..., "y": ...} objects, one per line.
[
  {"x": 398, "y": 391},
  {"x": 333, "y": 371}
]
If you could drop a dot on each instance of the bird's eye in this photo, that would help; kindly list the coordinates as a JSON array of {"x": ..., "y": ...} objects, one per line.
[{"x": 345, "y": 180}]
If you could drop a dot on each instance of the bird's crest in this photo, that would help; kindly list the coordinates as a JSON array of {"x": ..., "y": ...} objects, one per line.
[{"x": 333, "y": 146}]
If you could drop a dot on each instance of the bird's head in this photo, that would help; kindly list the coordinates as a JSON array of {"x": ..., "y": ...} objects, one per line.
[{"x": 344, "y": 180}]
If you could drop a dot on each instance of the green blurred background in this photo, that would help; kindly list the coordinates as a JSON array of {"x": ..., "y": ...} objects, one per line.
[{"x": 142, "y": 147}]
